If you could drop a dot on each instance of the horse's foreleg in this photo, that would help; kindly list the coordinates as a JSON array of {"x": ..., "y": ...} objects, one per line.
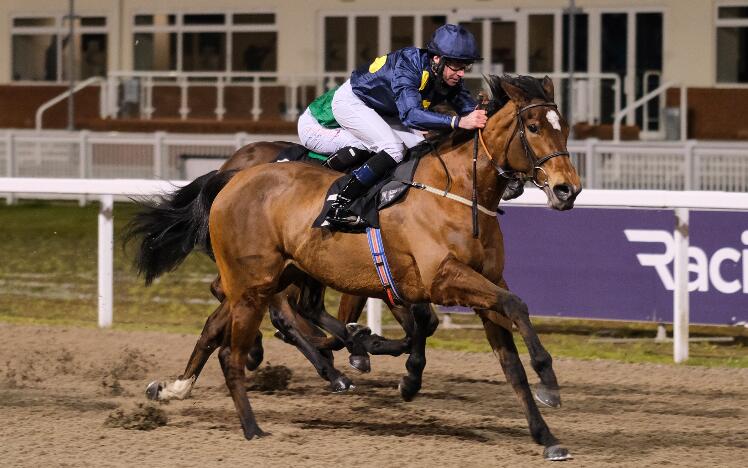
[
  {"x": 502, "y": 343},
  {"x": 411, "y": 383},
  {"x": 456, "y": 283}
]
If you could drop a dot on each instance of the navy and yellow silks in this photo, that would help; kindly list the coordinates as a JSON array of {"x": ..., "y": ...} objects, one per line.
[{"x": 401, "y": 84}]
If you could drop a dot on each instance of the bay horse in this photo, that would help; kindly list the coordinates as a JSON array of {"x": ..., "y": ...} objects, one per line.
[
  {"x": 155, "y": 226},
  {"x": 163, "y": 247},
  {"x": 158, "y": 218},
  {"x": 261, "y": 238}
]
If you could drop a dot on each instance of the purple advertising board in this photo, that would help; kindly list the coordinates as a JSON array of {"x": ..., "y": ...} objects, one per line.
[{"x": 618, "y": 263}]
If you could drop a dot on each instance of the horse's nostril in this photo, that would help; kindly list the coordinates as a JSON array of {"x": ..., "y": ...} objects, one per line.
[{"x": 562, "y": 191}]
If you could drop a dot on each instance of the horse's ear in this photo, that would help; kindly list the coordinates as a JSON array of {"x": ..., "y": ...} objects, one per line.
[
  {"x": 514, "y": 93},
  {"x": 548, "y": 88}
]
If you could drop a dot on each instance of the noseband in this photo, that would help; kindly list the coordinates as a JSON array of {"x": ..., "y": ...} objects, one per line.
[{"x": 535, "y": 162}]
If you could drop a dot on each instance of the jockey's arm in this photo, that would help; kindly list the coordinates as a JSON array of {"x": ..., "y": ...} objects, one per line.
[{"x": 405, "y": 82}]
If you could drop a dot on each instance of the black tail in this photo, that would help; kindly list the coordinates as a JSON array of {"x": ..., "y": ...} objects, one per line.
[{"x": 172, "y": 226}]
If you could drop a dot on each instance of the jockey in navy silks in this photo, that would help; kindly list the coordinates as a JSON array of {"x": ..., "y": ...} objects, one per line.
[{"x": 384, "y": 108}]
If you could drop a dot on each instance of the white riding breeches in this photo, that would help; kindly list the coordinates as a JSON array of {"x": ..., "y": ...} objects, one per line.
[
  {"x": 324, "y": 140},
  {"x": 360, "y": 126}
]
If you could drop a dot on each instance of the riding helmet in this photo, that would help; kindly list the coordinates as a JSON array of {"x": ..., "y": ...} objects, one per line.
[{"x": 454, "y": 42}]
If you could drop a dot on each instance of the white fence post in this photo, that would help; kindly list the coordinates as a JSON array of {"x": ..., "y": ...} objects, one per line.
[
  {"x": 374, "y": 315},
  {"x": 680, "y": 293},
  {"x": 10, "y": 156},
  {"x": 256, "y": 108},
  {"x": 683, "y": 113},
  {"x": 184, "y": 109},
  {"x": 83, "y": 169},
  {"x": 689, "y": 166},
  {"x": 106, "y": 261},
  {"x": 589, "y": 162},
  {"x": 220, "y": 98},
  {"x": 158, "y": 155},
  {"x": 239, "y": 139}
]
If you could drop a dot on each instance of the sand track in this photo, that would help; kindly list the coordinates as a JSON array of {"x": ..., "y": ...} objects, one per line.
[{"x": 59, "y": 385}]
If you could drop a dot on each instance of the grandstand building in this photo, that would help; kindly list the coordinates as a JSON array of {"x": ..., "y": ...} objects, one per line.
[{"x": 225, "y": 65}]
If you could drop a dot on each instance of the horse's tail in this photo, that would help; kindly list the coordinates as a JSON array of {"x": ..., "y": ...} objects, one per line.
[{"x": 173, "y": 225}]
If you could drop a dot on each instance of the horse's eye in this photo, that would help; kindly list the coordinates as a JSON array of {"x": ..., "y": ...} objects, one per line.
[{"x": 533, "y": 128}]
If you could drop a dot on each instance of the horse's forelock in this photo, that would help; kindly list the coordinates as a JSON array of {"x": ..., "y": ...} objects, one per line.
[{"x": 532, "y": 88}]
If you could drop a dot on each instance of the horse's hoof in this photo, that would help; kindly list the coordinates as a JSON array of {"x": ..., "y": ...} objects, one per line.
[
  {"x": 341, "y": 385},
  {"x": 407, "y": 389},
  {"x": 153, "y": 389},
  {"x": 360, "y": 362},
  {"x": 548, "y": 397},
  {"x": 556, "y": 453},
  {"x": 255, "y": 432},
  {"x": 355, "y": 329}
]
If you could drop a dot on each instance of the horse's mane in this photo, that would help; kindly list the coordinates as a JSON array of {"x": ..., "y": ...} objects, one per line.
[{"x": 531, "y": 86}]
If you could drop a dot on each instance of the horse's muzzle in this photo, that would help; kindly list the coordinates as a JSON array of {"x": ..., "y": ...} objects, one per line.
[{"x": 564, "y": 195}]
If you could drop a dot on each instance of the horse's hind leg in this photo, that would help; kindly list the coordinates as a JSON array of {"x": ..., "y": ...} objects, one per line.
[
  {"x": 246, "y": 316},
  {"x": 216, "y": 328},
  {"x": 299, "y": 333},
  {"x": 503, "y": 345}
]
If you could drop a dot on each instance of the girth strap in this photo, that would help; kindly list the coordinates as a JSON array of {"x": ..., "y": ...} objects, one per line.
[{"x": 376, "y": 246}]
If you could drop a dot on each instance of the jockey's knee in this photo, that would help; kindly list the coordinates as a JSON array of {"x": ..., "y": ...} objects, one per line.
[{"x": 394, "y": 150}]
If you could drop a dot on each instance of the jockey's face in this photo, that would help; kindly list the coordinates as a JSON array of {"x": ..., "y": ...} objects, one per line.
[{"x": 454, "y": 71}]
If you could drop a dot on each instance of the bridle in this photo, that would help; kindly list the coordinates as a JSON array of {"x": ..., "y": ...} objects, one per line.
[{"x": 535, "y": 162}]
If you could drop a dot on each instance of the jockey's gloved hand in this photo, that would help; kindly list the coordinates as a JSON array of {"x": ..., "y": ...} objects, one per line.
[{"x": 475, "y": 119}]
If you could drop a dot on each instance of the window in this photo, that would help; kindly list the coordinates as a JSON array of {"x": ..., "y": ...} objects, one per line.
[
  {"x": 540, "y": 44},
  {"x": 208, "y": 42},
  {"x": 40, "y": 48},
  {"x": 336, "y": 43},
  {"x": 732, "y": 43},
  {"x": 401, "y": 32},
  {"x": 503, "y": 45},
  {"x": 367, "y": 39},
  {"x": 367, "y": 31}
]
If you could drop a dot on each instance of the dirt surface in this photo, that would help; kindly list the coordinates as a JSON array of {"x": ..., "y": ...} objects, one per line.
[{"x": 64, "y": 390}]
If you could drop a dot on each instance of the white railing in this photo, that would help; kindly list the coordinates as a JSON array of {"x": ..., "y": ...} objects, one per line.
[
  {"x": 295, "y": 89},
  {"x": 587, "y": 89},
  {"x": 104, "y": 190},
  {"x": 680, "y": 202},
  {"x": 682, "y": 165},
  {"x": 662, "y": 89},
  {"x": 103, "y": 99},
  {"x": 646, "y": 133}
]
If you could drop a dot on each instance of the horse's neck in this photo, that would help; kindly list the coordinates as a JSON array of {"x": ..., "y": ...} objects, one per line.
[{"x": 459, "y": 162}]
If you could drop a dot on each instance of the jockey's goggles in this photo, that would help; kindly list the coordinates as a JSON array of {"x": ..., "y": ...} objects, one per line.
[{"x": 467, "y": 67}]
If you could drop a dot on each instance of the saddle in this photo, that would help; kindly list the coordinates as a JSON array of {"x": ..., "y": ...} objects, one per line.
[
  {"x": 390, "y": 190},
  {"x": 387, "y": 192}
]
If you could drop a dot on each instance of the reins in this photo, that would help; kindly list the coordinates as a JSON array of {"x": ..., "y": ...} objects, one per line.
[{"x": 511, "y": 174}]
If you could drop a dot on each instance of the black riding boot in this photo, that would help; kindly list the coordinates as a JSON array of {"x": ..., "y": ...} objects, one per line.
[
  {"x": 347, "y": 158},
  {"x": 359, "y": 182}
]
